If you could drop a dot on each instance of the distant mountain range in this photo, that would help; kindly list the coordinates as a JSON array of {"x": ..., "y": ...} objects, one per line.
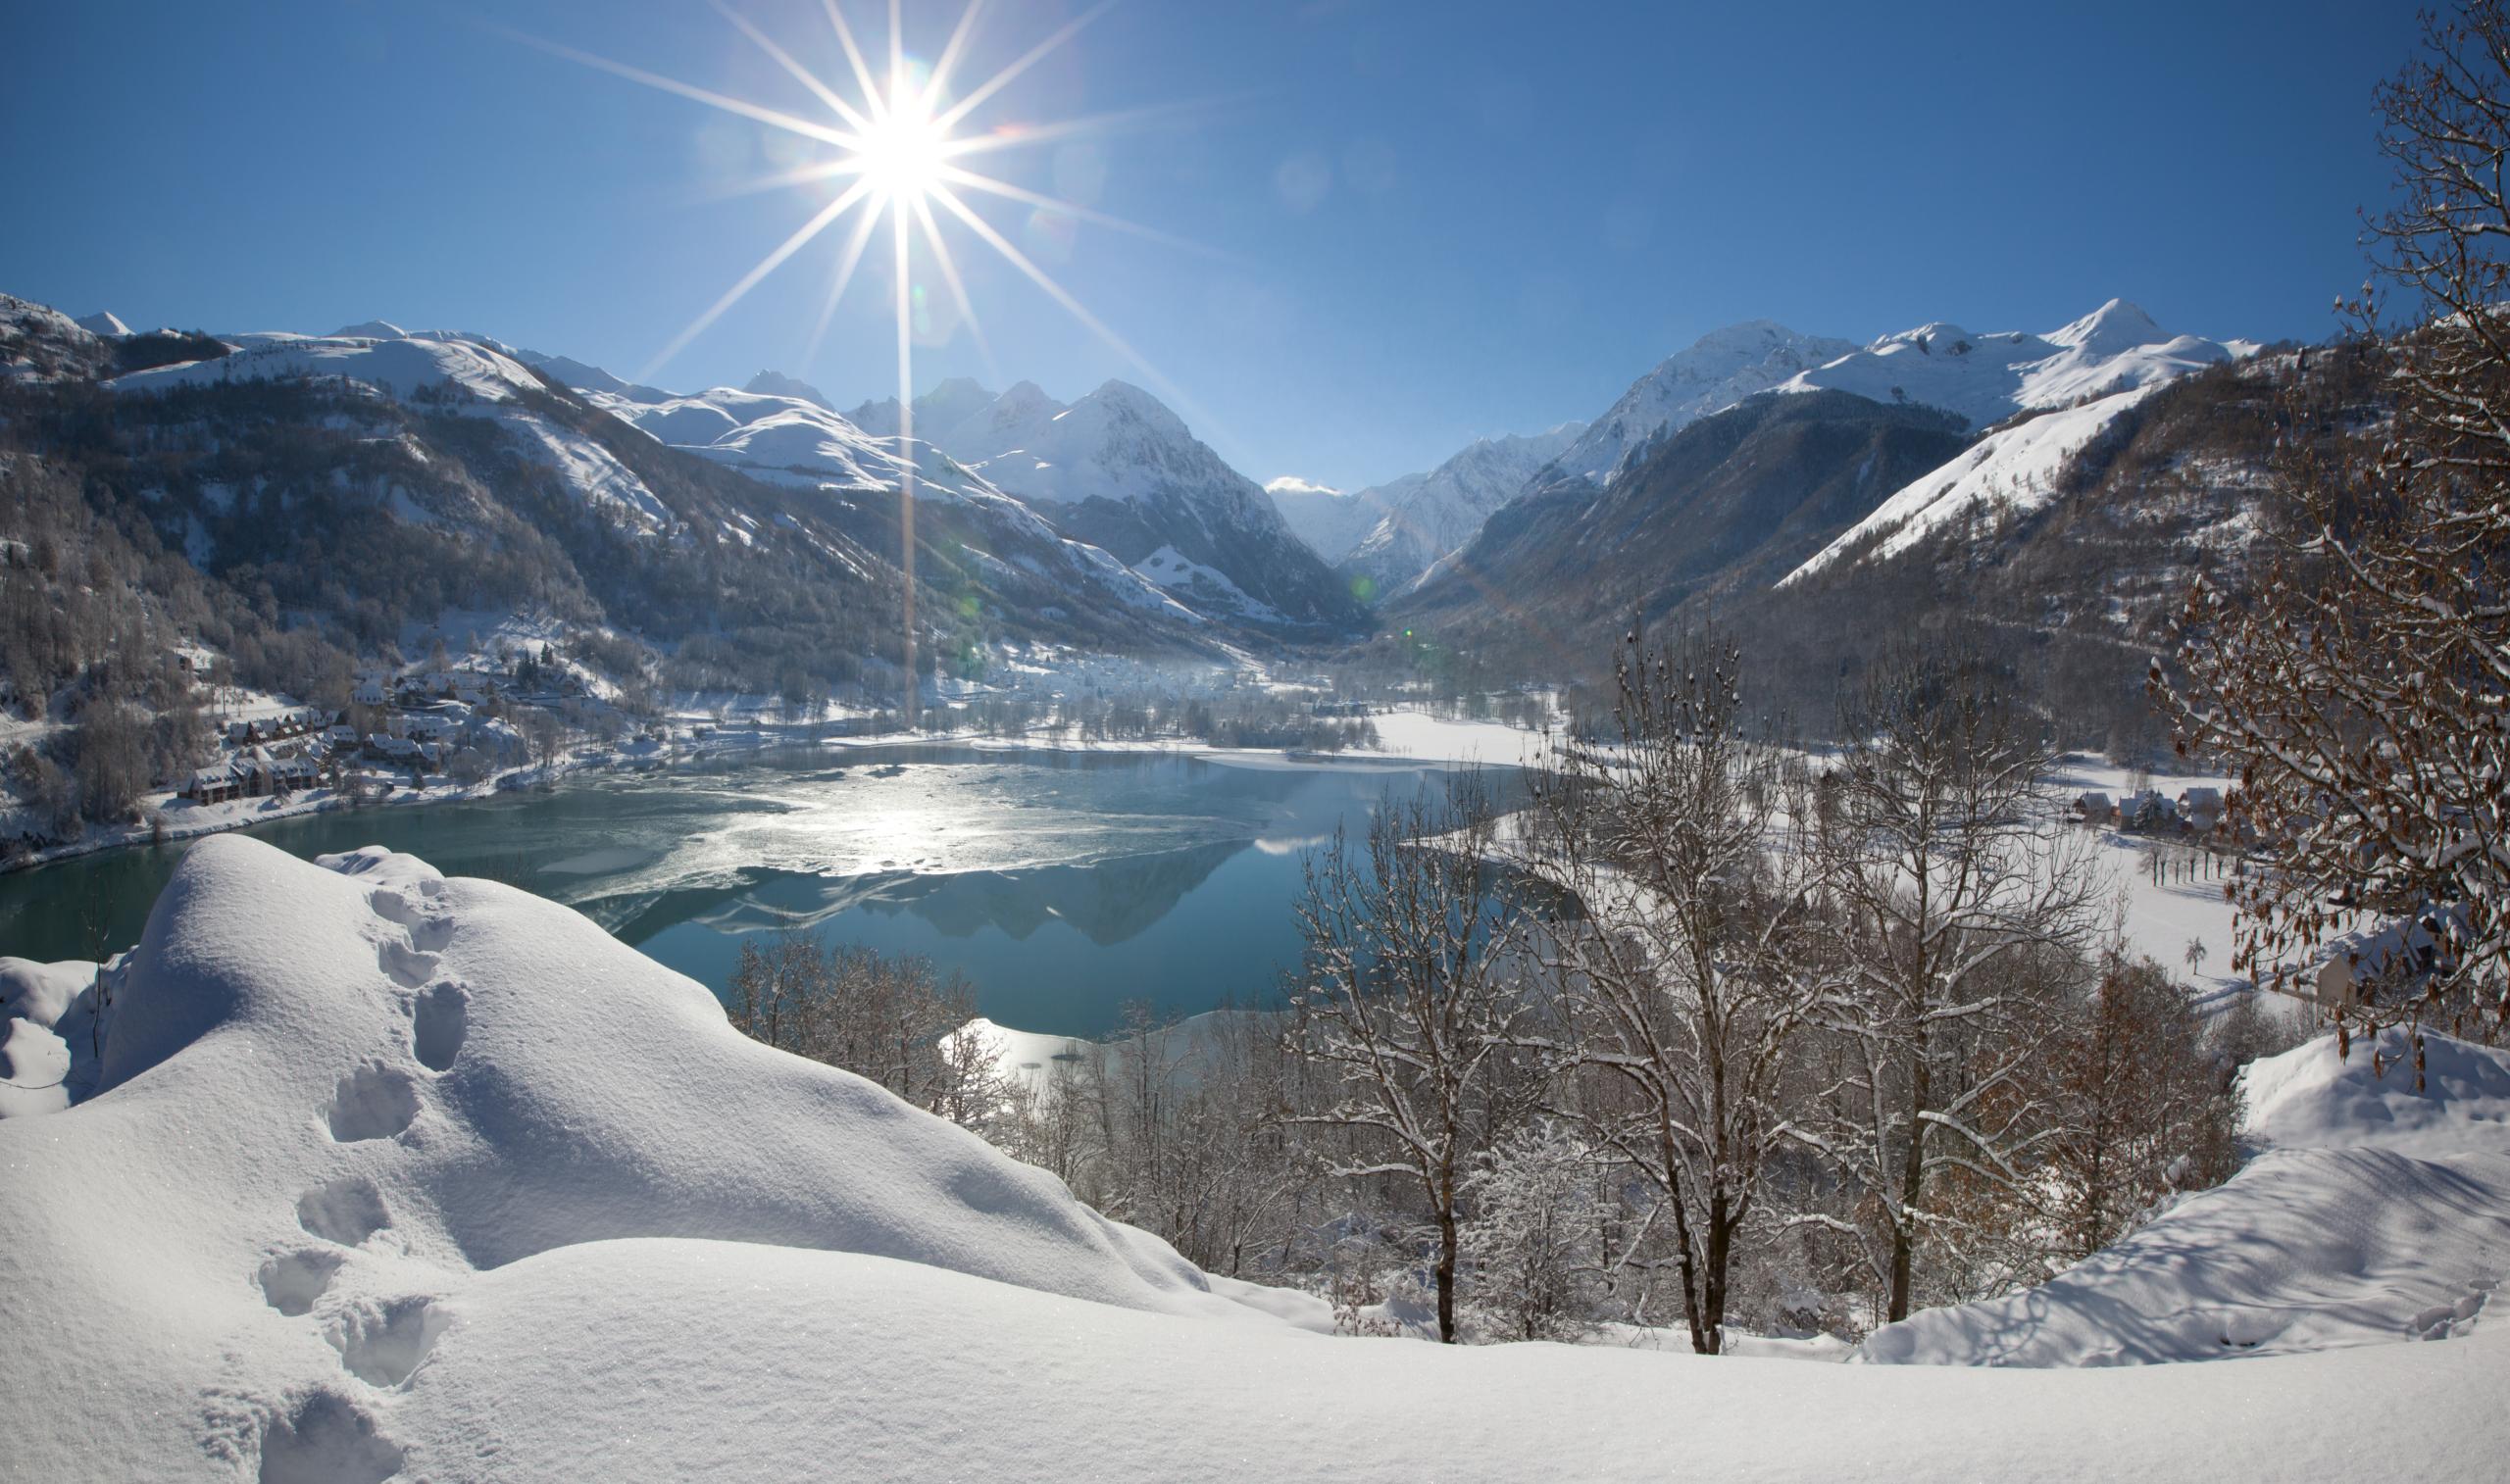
[{"x": 1754, "y": 464}]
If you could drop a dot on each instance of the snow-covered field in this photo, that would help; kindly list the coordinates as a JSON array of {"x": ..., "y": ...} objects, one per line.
[{"x": 389, "y": 1175}]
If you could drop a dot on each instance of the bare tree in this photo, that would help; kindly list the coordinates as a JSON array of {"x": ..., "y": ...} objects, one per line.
[
  {"x": 1411, "y": 1005},
  {"x": 1686, "y": 965},
  {"x": 1940, "y": 874},
  {"x": 2357, "y": 690},
  {"x": 891, "y": 1020},
  {"x": 2137, "y": 1109}
]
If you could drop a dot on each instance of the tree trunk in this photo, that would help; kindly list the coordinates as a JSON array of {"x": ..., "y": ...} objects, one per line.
[
  {"x": 1912, "y": 1182},
  {"x": 1721, "y": 1249},
  {"x": 1446, "y": 1274}
]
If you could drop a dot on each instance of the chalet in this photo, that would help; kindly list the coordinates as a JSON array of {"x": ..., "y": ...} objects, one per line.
[
  {"x": 2093, "y": 807},
  {"x": 2201, "y": 808},
  {"x": 370, "y": 692},
  {"x": 390, "y": 749},
  {"x": 431, "y": 727},
  {"x": 294, "y": 775},
  {"x": 210, "y": 785}
]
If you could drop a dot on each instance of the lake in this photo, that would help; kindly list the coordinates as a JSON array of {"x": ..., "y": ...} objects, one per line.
[{"x": 1062, "y": 884}]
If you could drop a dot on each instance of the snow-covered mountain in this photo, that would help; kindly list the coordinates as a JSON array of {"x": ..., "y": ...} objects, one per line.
[
  {"x": 1988, "y": 378},
  {"x": 1717, "y": 371},
  {"x": 1422, "y": 517},
  {"x": 937, "y": 412},
  {"x": 1329, "y": 520},
  {"x": 386, "y": 360},
  {"x": 2013, "y": 470},
  {"x": 1121, "y": 471},
  {"x": 2054, "y": 395},
  {"x": 105, "y": 325},
  {"x": 775, "y": 383}
]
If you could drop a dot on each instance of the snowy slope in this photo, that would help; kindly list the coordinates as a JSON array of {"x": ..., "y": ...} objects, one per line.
[
  {"x": 104, "y": 324},
  {"x": 1424, "y": 517},
  {"x": 1714, "y": 372},
  {"x": 386, "y": 360},
  {"x": 396, "y": 362},
  {"x": 790, "y": 441},
  {"x": 1988, "y": 378},
  {"x": 2012, "y": 469},
  {"x": 2376, "y": 1213},
  {"x": 398, "y": 1177}
]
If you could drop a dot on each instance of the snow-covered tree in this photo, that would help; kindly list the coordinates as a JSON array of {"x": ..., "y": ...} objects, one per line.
[
  {"x": 2358, "y": 689},
  {"x": 1534, "y": 1237},
  {"x": 1940, "y": 880},
  {"x": 1685, "y": 966},
  {"x": 1412, "y": 1006}
]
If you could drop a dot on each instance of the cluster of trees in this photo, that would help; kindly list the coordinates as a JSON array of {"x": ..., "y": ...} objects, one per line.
[
  {"x": 1819, "y": 1043},
  {"x": 1251, "y": 719},
  {"x": 893, "y": 1020}
]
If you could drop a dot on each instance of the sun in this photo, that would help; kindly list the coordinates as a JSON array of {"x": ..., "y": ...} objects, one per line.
[
  {"x": 906, "y": 152},
  {"x": 896, "y": 153}
]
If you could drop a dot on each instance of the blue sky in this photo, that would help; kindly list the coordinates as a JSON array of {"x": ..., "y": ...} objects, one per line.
[{"x": 1427, "y": 222}]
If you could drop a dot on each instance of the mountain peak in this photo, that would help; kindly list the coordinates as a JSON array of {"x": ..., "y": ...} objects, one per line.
[
  {"x": 2113, "y": 327},
  {"x": 774, "y": 383},
  {"x": 370, "y": 330},
  {"x": 104, "y": 323},
  {"x": 1131, "y": 401}
]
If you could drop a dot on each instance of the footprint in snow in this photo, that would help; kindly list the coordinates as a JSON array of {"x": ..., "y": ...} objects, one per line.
[
  {"x": 325, "y": 1438},
  {"x": 373, "y": 1102}
]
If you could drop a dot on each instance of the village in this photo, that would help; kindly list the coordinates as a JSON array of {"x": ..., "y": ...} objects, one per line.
[{"x": 460, "y": 724}]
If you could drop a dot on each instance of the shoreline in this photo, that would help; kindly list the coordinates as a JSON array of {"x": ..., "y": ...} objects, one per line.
[{"x": 195, "y": 821}]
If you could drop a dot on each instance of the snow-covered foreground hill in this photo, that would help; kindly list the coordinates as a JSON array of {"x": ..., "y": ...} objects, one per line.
[
  {"x": 394, "y": 1176},
  {"x": 2376, "y": 1212}
]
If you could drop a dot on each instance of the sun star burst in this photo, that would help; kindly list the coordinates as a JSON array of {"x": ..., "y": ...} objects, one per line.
[{"x": 900, "y": 148}]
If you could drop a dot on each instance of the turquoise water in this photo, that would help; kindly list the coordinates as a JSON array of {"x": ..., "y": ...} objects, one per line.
[{"x": 1062, "y": 884}]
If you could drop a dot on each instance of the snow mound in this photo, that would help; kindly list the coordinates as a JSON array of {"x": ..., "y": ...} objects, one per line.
[
  {"x": 333, "y": 1103},
  {"x": 2376, "y": 1212},
  {"x": 2311, "y": 1098},
  {"x": 46, "y": 1013}
]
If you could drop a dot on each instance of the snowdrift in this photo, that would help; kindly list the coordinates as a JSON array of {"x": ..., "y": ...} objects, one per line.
[
  {"x": 395, "y": 1176},
  {"x": 328, "y": 1098},
  {"x": 2373, "y": 1213}
]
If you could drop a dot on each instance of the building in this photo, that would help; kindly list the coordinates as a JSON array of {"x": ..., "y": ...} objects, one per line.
[
  {"x": 210, "y": 785},
  {"x": 2201, "y": 808}
]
